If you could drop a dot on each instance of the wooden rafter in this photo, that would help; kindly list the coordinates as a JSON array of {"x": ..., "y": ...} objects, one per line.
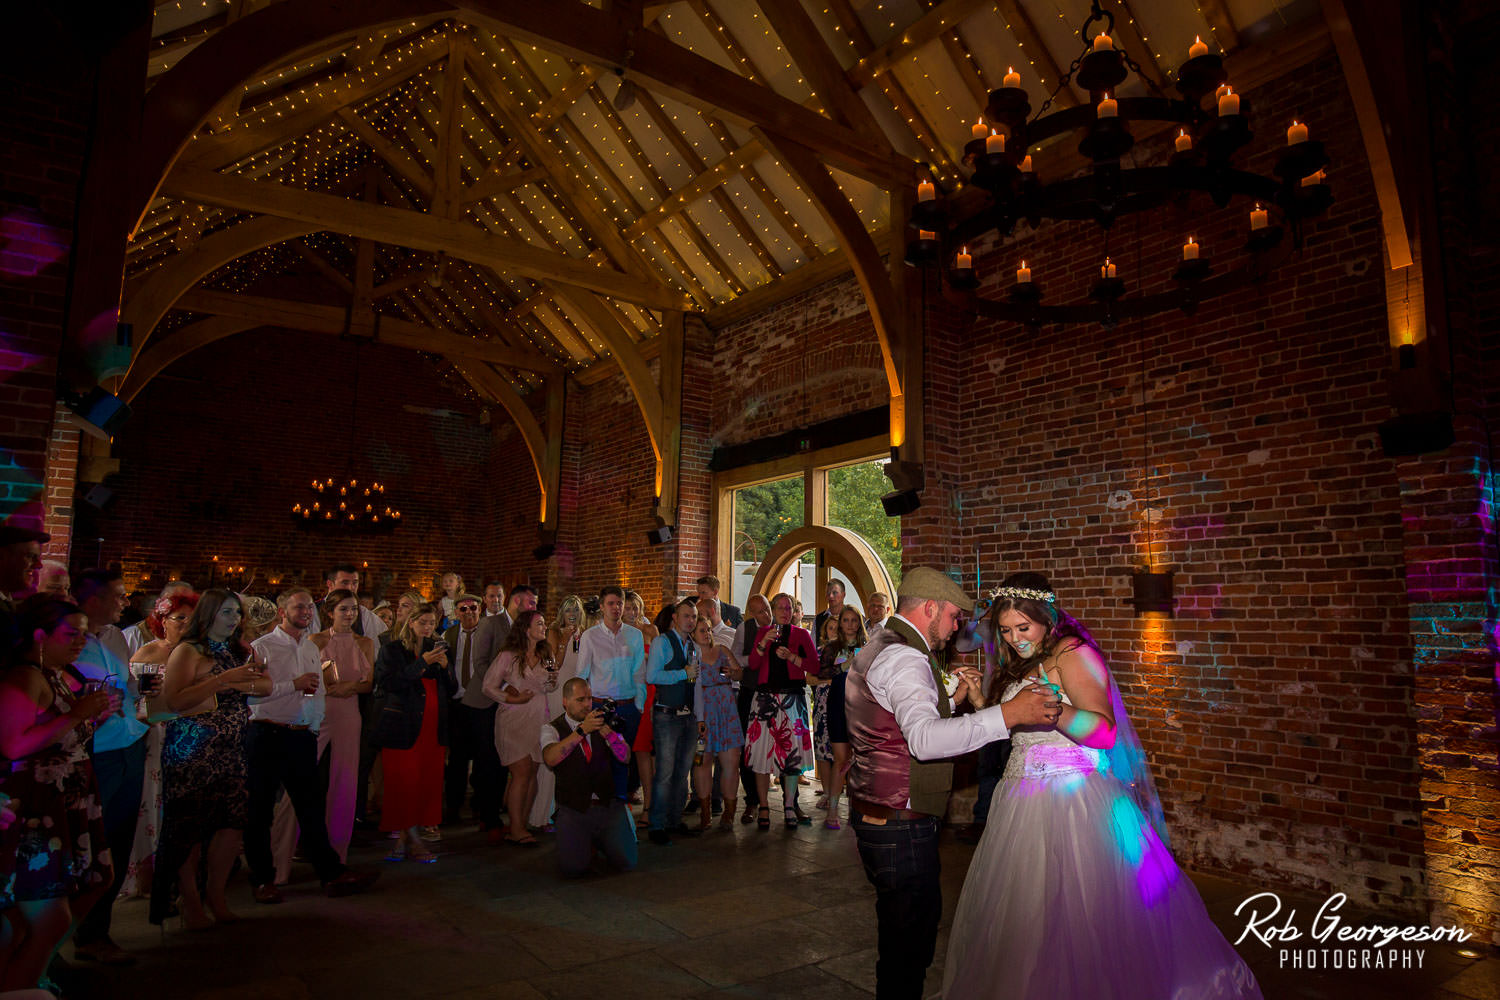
[
  {"x": 819, "y": 67},
  {"x": 968, "y": 68},
  {"x": 446, "y": 166},
  {"x": 318, "y": 261},
  {"x": 763, "y": 190},
  {"x": 937, "y": 21},
  {"x": 1030, "y": 40},
  {"x": 398, "y": 159},
  {"x": 413, "y": 229}
]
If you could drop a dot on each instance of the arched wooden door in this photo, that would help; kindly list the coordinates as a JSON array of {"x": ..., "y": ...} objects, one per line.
[{"x": 841, "y": 549}]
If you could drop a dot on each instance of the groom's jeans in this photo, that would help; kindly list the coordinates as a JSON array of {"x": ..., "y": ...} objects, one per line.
[{"x": 901, "y": 862}]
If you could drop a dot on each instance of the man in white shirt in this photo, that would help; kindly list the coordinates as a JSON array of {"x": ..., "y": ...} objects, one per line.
[
  {"x": 879, "y": 608},
  {"x": 612, "y": 658},
  {"x": 471, "y": 730},
  {"x": 281, "y": 750},
  {"x": 345, "y": 576},
  {"x": 900, "y": 705}
]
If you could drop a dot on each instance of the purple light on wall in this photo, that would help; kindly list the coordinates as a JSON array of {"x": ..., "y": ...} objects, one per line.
[{"x": 29, "y": 246}]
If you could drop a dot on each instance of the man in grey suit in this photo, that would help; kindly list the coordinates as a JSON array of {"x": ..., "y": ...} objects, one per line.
[{"x": 471, "y": 720}]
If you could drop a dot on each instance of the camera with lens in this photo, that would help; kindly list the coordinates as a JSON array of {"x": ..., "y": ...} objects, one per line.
[{"x": 611, "y": 714}]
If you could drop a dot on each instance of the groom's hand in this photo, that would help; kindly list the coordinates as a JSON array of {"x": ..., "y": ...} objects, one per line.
[
  {"x": 1032, "y": 706},
  {"x": 970, "y": 686}
]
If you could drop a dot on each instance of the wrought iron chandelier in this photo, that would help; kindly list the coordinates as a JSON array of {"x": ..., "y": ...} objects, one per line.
[{"x": 1212, "y": 124}]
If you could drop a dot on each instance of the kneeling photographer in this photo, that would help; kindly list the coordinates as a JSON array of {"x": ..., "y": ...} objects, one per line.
[{"x": 582, "y": 750}]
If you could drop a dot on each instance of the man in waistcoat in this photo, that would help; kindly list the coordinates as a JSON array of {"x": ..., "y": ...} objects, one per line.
[
  {"x": 591, "y": 813},
  {"x": 901, "y": 724}
]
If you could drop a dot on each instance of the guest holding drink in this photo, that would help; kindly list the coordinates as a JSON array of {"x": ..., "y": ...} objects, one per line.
[
  {"x": 209, "y": 675},
  {"x": 348, "y": 671},
  {"x": 719, "y": 723},
  {"x": 48, "y": 712},
  {"x": 167, "y": 622},
  {"x": 779, "y": 740},
  {"x": 518, "y": 681},
  {"x": 830, "y": 724},
  {"x": 411, "y": 727}
]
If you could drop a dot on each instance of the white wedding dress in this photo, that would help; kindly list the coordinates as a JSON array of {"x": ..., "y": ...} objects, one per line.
[{"x": 1072, "y": 895}]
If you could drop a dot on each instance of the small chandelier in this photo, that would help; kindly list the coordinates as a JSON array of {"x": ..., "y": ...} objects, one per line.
[
  {"x": 1211, "y": 122},
  {"x": 346, "y": 507}
]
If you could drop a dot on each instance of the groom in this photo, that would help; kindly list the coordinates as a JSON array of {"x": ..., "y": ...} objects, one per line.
[{"x": 902, "y": 728}]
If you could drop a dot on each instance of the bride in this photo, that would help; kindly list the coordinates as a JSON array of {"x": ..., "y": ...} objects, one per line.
[{"x": 1072, "y": 892}]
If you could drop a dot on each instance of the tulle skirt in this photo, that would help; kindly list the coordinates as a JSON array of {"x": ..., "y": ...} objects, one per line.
[{"x": 1071, "y": 895}]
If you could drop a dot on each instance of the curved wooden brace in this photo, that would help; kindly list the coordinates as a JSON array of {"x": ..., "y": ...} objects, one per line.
[
  {"x": 149, "y": 298},
  {"x": 842, "y": 549},
  {"x": 151, "y": 361},
  {"x": 487, "y": 381},
  {"x": 623, "y": 349}
]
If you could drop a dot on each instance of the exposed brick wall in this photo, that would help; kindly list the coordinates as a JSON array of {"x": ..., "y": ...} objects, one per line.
[
  {"x": 223, "y": 442},
  {"x": 44, "y": 111}
]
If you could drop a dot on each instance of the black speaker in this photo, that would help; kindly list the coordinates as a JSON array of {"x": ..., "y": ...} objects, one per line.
[
  {"x": 100, "y": 413},
  {"x": 543, "y": 551},
  {"x": 899, "y": 502},
  {"x": 660, "y": 536},
  {"x": 1152, "y": 592},
  {"x": 1416, "y": 434}
]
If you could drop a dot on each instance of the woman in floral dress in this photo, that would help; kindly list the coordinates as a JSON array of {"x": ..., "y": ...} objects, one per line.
[
  {"x": 61, "y": 863},
  {"x": 208, "y": 677},
  {"x": 778, "y": 739}
]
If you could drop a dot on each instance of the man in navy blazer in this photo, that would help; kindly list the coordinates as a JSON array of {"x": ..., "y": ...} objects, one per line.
[{"x": 708, "y": 589}]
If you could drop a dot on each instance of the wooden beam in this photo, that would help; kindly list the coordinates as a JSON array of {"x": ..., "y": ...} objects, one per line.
[
  {"x": 802, "y": 40},
  {"x": 394, "y": 156},
  {"x": 935, "y": 22},
  {"x": 1221, "y": 23},
  {"x": 488, "y": 382},
  {"x": 810, "y": 172},
  {"x": 330, "y": 272},
  {"x": 632, "y": 364},
  {"x": 968, "y": 69},
  {"x": 413, "y": 229},
  {"x": 668, "y": 470},
  {"x": 564, "y": 175},
  {"x": 574, "y": 87},
  {"x": 492, "y": 184},
  {"x": 154, "y": 357},
  {"x": 314, "y": 317},
  {"x": 557, "y": 398},
  {"x": 1021, "y": 26},
  {"x": 446, "y": 166}
]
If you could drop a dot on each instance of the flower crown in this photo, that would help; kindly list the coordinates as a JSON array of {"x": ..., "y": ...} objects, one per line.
[{"x": 1024, "y": 594}]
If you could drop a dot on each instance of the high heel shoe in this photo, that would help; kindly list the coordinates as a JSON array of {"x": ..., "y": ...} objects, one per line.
[{"x": 763, "y": 818}]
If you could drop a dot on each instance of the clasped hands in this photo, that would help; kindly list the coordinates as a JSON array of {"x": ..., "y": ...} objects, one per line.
[{"x": 594, "y": 722}]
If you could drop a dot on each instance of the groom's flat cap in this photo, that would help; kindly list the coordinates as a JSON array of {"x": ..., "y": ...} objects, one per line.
[{"x": 927, "y": 584}]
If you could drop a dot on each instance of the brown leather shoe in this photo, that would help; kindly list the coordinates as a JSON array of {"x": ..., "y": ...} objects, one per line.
[
  {"x": 269, "y": 894},
  {"x": 351, "y": 881}
]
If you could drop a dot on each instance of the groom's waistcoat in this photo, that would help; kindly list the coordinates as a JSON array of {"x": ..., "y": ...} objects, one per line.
[{"x": 883, "y": 770}]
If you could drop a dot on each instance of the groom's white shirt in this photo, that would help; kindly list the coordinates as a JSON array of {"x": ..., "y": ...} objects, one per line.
[{"x": 900, "y": 681}]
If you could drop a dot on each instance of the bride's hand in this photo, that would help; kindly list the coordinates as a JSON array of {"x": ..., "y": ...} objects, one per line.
[
  {"x": 970, "y": 686},
  {"x": 1033, "y": 705}
]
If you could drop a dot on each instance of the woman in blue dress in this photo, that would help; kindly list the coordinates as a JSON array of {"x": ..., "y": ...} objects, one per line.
[{"x": 718, "y": 726}]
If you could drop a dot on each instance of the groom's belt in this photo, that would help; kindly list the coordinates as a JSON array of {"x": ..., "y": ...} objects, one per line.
[{"x": 874, "y": 810}]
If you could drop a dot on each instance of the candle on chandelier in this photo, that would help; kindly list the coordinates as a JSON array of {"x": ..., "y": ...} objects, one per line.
[
  {"x": 926, "y": 191},
  {"x": 1108, "y": 108},
  {"x": 1229, "y": 102},
  {"x": 1107, "y": 272},
  {"x": 1102, "y": 43},
  {"x": 994, "y": 142},
  {"x": 1190, "y": 248},
  {"x": 926, "y": 235},
  {"x": 1197, "y": 48},
  {"x": 965, "y": 261},
  {"x": 1026, "y": 164},
  {"x": 1258, "y": 218},
  {"x": 1023, "y": 274},
  {"x": 1183, "y": 142},
  {"x": 1297, "y": 133},
  {"x": 979, "y": 129},
  {"x": 1313, "y": 180},
  {"x": 1012, "y": 78}
]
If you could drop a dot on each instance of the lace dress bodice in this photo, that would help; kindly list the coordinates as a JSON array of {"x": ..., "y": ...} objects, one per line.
[{"x": 1044, "y": 753}]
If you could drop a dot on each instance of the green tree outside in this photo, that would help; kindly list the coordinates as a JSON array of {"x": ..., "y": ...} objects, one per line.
[{"x": 854, "y": 493}]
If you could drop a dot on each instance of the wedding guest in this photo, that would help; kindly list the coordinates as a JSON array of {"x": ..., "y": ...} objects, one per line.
[
  {"x": 757, "y": 617},
  {"x": 61, "y": 865},
  {"x": 167, "y": 621},
  {"x": 879, "y": 609},
  {"x": 406, "y": 605},
  {"x": 563, "y": 637},
  {"x": 778, "y": 740},
  {"x": 119, "y": 752},
  {"x": 411, "y": 675},
  {"x": 209, "y": 676},
  {"x": 453, "y": 586},
  {"x": 591, "y": 814},
  {"x": 345, "y": 576},
  {"x": 386, "y": 614},
  {"x": 494, "y": 599},
  {"x": 518, "y": 681},
  {"x": 348, "y": 671},
  {"x": 54, "y": 580},
  {"x": 282, "y": 753},
  {"x": 260, "y": 617},
  {"x": 612, "y": 658},
  {"x": 708, "y": 589},
  {"x": 645, "y": 764},
  {"x": 142, "y": 633},
  {"x": 834, "y": 593},
  {"x": 471, "y": 731},
  {"x": 830, "y": 723},
  {"x": 718, "y": 725},
  {"x": 672, "y": 666}
]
